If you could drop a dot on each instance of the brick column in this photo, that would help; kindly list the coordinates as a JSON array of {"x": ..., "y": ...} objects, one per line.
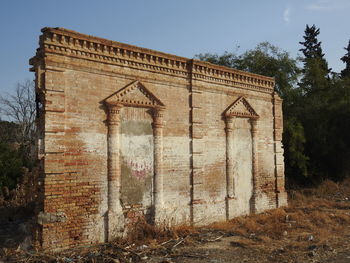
[
  {"x": 255, "y": 167},
  {"x": 158, "y": 162},
  {"x": 230, "y": 185},
  {"x": 115, "y": 211}
]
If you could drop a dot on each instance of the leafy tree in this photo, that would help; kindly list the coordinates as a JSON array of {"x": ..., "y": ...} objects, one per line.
[
  {"x": 227, "y": 59},
  {"x": 345, "y": 73},
  {"x": 266, "y": 59},
  {"x": 338, "y": 132},
  {"x": 10, "y": 165},
  {"x": 8, "y": 131},
  {"x": 295, "y": 159},
  {"x": 339, "y": 122}
]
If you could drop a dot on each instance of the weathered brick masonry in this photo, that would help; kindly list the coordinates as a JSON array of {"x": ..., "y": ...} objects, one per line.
[{"x": 126, "y": 132}]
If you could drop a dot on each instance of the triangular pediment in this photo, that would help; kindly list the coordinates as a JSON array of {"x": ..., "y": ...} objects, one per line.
[
  {"x": 135, "y": 94},
  {"x": 241, "y": 108}
]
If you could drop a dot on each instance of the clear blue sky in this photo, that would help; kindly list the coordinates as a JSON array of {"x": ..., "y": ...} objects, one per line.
[{"x": 181, "y": 27}]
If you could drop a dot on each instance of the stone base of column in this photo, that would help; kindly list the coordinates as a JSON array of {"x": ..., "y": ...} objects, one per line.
[
  {"x": 231, "y": 208},
  {"x": 116, "y": 225},
  {"x": 253, "y": 202},
  {"x": 160, "y": 216},
  {"x": 282, "y": 199}
]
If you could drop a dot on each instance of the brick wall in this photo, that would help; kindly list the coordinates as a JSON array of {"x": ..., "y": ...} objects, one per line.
[{"x": 127, "y": 132}]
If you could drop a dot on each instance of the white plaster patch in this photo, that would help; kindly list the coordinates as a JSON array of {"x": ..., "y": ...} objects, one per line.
[
  {"x": 94, "y": 142},
  {"x": 262, "y": 202},
  {"x": 137, "y": 153},
  {"x": 242, "y": 165}
]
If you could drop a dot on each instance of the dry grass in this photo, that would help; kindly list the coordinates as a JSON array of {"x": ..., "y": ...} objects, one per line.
[
  {"x": 272, "y": 223},
  {"x": 142, "y": 232},
  {"x": 317, "y": 214},
  {"x": 326, "y": 188},
  {"x": 318, "y": 217}
]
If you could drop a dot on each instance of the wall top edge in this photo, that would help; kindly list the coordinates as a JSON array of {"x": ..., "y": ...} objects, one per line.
[
  {"x": 66, "y": 37},
  {"x": 224, "y": 69},
  {"x": 107, "y": 42}
]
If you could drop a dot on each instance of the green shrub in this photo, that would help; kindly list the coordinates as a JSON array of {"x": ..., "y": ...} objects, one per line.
[{"x": 10, "y": 165}]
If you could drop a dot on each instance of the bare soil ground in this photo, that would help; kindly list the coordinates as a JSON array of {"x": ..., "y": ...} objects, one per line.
[{"x": 314, "y": 228}]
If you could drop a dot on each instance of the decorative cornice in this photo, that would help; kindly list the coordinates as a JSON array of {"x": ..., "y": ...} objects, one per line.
[
  {"x": 73, "y": 44},
  {"x": 216, "y": 73},
  {"x": 233, "y": 83}
]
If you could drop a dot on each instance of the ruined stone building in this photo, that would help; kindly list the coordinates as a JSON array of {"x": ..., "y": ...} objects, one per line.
[{"x": 127, "y": 132}]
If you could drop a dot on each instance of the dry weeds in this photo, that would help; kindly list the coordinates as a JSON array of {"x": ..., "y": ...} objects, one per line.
[
  {"x": 141, "y": 232},
  {"x": 315, "y": 225}
]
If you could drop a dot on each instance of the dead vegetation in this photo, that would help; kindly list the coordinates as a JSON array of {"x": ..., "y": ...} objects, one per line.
[
  {"x": 314, "y": 228},
  {"x": 25, "y": 192},
  {"x": 145, "y": 233}
]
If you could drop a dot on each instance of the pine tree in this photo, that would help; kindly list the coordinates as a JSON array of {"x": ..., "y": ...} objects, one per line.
[
  {"x": 346, "y": 59},
  {"x": 315, "y": 71},
  {"x": 312, "y": 45},
  {"x": 315, "y": 86}
]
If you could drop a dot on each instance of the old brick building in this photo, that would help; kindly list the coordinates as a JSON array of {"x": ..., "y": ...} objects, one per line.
[{"x": 126, "y": 131}]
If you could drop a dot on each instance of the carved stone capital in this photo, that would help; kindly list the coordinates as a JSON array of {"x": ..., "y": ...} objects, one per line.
[
  {"x": 113, "y": 110},
  {"x": 230, "y": 123},
  {"x": 158, "y": 114},
  {"x": 254, "y": 124}
]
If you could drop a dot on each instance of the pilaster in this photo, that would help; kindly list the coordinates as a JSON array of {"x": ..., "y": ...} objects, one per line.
[
  {"x": 255, "y": 166},
  {"x": 158, "y": 194},
  {"x": 230, "y": 120},
  {"x": 115, "y": 211}
]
